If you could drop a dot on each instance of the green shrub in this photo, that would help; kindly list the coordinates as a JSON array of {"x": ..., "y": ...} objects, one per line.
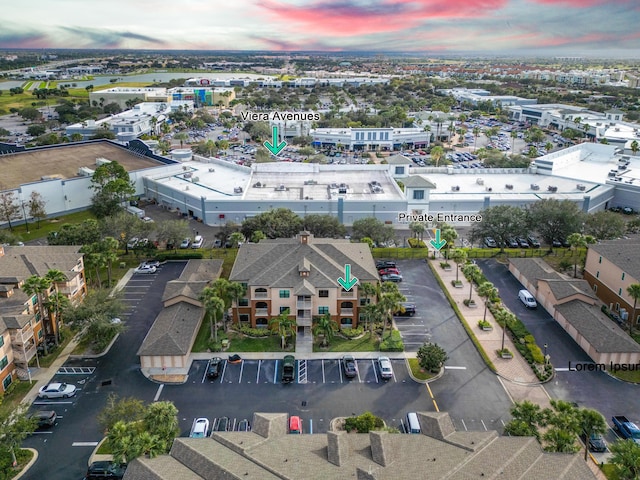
[
  {"x": 392, "y": 342},
  {"x": 445, "y": 265},
  {"x": 416, "y": 243},
  {"x": 255, "y": 332},
  {"x": 536, "y": 353},
  {"x": 352, "y": 332},
  {"x": 363, "y": 423},
  {"x": 484, "y": 324},
  {"x": 163, "y": 256}
]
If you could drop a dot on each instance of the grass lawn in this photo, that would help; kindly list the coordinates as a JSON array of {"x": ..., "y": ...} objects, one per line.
[
  {"x": 340, "y": 344},
  {"x": 417, "y": 371},
  {"x": 610, "y": 471},
  {"x": 49, "y": 225},
  {"x": 13, "y": 399},
  {"x": 240, "y": 343},
  {"x": 633, "y": 376},
  {"x": 23, "y": 456}
]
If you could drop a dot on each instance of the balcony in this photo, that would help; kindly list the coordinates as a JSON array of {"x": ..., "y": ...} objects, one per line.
[
  {"x": 304, "y": 305},
  {"x": 262, "y": 311},
  {"x": 21, "y": 355},
  {"x": 350, "y": 294},
  {"x": 346, "y": 311},
  {"x": 261, "y": 295},
  {"x": 304, "y": 321}
]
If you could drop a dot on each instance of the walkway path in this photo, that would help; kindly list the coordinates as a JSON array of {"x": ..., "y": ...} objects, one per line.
[{"x": 516, "y": 375}]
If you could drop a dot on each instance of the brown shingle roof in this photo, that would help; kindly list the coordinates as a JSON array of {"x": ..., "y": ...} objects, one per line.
[
  {"x": 173, "y": 330},
  {"x": 624, "y": 253},
  {"x": 19, "y": 263}
]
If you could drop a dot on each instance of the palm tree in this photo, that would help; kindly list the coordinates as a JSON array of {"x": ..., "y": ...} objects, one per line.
[
  {"x": 35, "y": 285},
  {"x": 514, "y": 135},
  {"x": 237, "y": 290},
  {"x": 55, "y": 277},
  {"x": 476, "y": 134},
  {"x": 181, "y": 137},
  {"x": 213, "y": 305},
  {"x": 110, "y": 253},
  {"x": 635, "y": 147},
  {"x": 634, "y": 292},
  {"x": 459, "y": 256},
  {"x": 324, "y": 325},
  {"x": 285, "y": 326},
  {"x": 95, "y": 260},
  {"x": 576, "y": 241},
  {"x": 487, "y": 291},
  {"x": 470, "y": 270},
  {"x": 591, "y": 421},
  {"x": 369, "y": 290},
  {"x": 437, "y": 153},
  {"x": 389, "y": 302}
]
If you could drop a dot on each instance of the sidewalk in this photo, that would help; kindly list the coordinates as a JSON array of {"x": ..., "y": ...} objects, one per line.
[{"x": 516, "y": 375}]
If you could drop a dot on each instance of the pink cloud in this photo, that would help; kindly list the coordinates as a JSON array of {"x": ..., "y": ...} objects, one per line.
[
  {"x": 583, "y": 3},
  {"x": 343, "y": 18}
]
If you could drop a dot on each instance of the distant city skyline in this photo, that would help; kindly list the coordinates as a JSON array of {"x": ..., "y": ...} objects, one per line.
[{"x": 527, "y": 27}]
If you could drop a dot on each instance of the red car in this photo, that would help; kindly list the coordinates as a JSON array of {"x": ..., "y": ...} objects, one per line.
[{"x": 387, "y": 271}]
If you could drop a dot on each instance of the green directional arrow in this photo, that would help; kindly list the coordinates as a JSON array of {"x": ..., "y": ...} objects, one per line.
[
  {"x": 438, "y": 243},
  {"x": 348, "y": 282},
  {"x": 275, "y": 147}
]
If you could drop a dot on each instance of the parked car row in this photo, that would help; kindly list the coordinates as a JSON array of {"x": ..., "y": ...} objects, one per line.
[
  {"x": 388, "y": 271},
  {"x": 529, "y": 241}
]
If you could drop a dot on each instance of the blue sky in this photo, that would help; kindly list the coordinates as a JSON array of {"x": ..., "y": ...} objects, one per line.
[{"x": 572, "y": 27}]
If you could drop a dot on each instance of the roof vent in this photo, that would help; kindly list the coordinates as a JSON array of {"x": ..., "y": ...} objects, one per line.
[
  {"x": 237, "y": 190},
  {"x": 455, "y": 188},
  {"x": 479, "y": 181},
  {"x": 508, "y": 186},
  {"x": 581, "y": 187},
  {"x": 552, "y": 188},
  {"x": 535, "y": 186}
]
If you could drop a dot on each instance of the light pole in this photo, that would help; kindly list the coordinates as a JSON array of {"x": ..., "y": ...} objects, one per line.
[{"x": 24, "y": 213}]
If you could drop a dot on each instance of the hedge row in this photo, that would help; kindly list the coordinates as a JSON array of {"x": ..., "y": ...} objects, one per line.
[
  {"x": 163, "y": 256},
  {"x": 392, "y": 342},
  {"x": 254, "y": 332},
  {"x": 352, "y": 332},
  {"x": 415, "y": 243}
]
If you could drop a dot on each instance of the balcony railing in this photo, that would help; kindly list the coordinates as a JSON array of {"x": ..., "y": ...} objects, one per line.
[
  {"x": 260, "y": 295},
  {"x": 303, "y": 305},
  {"x": 346, "y": 311},
  {"x": 349, "y": 294},
  {"x": 262, "y": 311},
  {"x": 21, "y": 355}
]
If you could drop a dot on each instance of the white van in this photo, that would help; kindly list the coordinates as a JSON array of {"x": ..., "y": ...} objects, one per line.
[
  {"x": 527, "y": 299},
  {"x": 197, "y": 242},
  {"x": 413, "y": 426}
]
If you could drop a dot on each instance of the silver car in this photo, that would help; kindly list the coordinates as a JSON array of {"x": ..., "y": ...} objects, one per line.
[
  {"x": 57, "y": 390},
  {"x": 385, "y": 367}
]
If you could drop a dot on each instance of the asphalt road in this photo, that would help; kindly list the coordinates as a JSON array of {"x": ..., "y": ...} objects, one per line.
[{"x": 595, "y": 390}]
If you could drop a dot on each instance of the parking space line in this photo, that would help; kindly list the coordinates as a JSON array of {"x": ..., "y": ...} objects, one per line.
[
  {"x": 204, "y": 375},
  {"x": 340, "y": 369},
  {"x": 84, "y": 444},
  {"x": 52, "y": 403},
  {"x": 155, "y": 399},
  {"x": 241, "y": 368},
  {"x": 485, "y": 427},
  {"x": 373, "y": 362},
  {"x": 224, "y": 369},
  {"x": 393, "y": 373},
  {"x": 464, "y": 425},
  {"x": 275, "y": 372},
  {"x": 432, "y": 397},
  {"x": 258, "y": 374},
  {"x": 404, "y": 430},
  {"x": 311, "y": 426},
  {"x": 323, "y": 379}
]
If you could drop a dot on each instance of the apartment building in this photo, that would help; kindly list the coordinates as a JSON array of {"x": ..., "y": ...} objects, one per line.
[
  {"x": 22, "y": 326},
  {"x": 300, "y": 275},
  {"x": 611, "y": 266}
]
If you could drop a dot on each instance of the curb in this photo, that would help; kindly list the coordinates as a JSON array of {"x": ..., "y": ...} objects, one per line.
[
  {"x": 438, "y": 376},
  {"x": 26, "y": 468},
  {"x": 101, "y": 354}
]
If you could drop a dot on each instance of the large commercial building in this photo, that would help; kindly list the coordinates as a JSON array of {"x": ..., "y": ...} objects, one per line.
[
  {"x": 370, "y": 138},
  {"x": 204, "y": 95}
]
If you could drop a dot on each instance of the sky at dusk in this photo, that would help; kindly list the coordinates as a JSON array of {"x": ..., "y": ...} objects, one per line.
[{"x": 568, "y": 27}]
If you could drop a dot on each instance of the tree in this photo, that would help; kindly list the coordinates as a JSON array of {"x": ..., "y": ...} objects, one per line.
[
  {"x": 554, "y": 219},
  {"x": 487, "y": 291},
  {"x": 9, "y": 208},
  {"x": 324, "y": 325},
  {"x": 591, "y": 422},
  {"x": 214, "y": 307},
  {"x": 431, "y": 357},
  {"x": 417, "y": 228},
  {"x": 30, "y": 114},
  {"x": 476, "y": 134},
  {"x": 284, "y": 325},
  {"x": 55, "y": 277},
  {"x": 577, "y": 241},
  {"x": 276, "y": 223},
  {"x": 15, "y": 426},
  {"x": 635, "y": 147},
  {"x": 257, "y": 236},
  {"x": 128, "y": 409},
  {"x": 604, "y": 225},
  {"x": 389, "y": 302},
  {"x": 38, "y": 286},
  {"x": 77, "y": 137},
  {"x": 94, "y": 259},
  {"x": 374, "y": 229},
  {"x": 76, "y": 234},
  {"x": 437, "y": 153},
  {"x": 172, "y": 231},
  {"x": 633, "y": 291},
  {"x": 459, "y": 256},
  {"x": 563, "y": 425},
  {"x": 109, "y": 248},
  {"x": 500, "y": 222},
  {"x": 161, "y": 419},
  {"x": 36, "y": 130},
  {"x": 113, "y": 186},
  {"x": 236, "y": 238},
  {"x": 36, "y": 207},
  {"x": 181, "y": 137},
  {"x": 260, "y": 131},
  {"x": 323, "y": 226},
  {"x": 525, "y": 419},
  {"x": 237, "y": 291},
  {"x": 471, "y": 271},
  {"x": 626, "y": 458},
  {"x": 368, "y": 290}
]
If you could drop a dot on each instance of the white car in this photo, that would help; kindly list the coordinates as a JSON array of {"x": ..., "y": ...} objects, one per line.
[
  {"x": 133, "y": 242},
  {"x": 57, "y": 390},
  {"x": 200, "y": 428},
  {"x": 144, "y": 268},
  {"x": 385, "y": 367}
]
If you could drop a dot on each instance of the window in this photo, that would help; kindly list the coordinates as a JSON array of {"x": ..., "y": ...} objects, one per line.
[
  {"x": 323, "y": 293},
  {"x": 400, "y": 170},
  {"x": 284, "y": 309},
  {"x": 244, "y": 317},
  {"x": 598, "y": 274},
  {"x": 617, "y": 307},
  {"x": 622, "y": 276},
  {"x": 4, "y": 362},
  {"x": 619, "y": 293},
  {"x": 365, "y": 301},
  {"x": 1, "y": 341},
  {"x": 40, "y": 334},
  {"x": 262, "y": 323},
  {"x": 595, "y": 289},
  {"x": 323, "y": 310},
  {"x": 284, "y": 293},
  {"x": 418, "y": 194},
  {"x": 600, "y": 260},
  {"x": 7, "y": 381},
  {"x": 346, "y": 322},
  {"x": 243, "y": 302}
]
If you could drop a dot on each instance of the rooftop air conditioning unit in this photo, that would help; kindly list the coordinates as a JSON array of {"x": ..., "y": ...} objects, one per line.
[
  {"x": 455, "y": 188},
  {"x": 552, "y": 188},
  {"x": 535, "y": 186},
  {"x": 195, "y": 179},
  {"x": 489, "y": 189},
  {"x": 581, "y": 187},
  {"x": 85, "y": 172},
  {"x": 212, "y": 170},
  {"x": 479, "y": 181},
  {"x": 188, "y": 174},
  {"x": 508, "y": 186}
]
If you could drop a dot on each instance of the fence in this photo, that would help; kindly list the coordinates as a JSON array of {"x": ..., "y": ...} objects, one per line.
[{"x": 413, "y": 253}]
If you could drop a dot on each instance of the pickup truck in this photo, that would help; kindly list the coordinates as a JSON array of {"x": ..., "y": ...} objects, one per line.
[{"x": 626, "y": 428}]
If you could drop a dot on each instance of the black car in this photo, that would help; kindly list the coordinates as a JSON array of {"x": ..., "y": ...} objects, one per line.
[
  {"x": 385, "y": 264},
  {"x": 522, "y": 242},
  {"x": 556, "y": 243},
  {"x": 45, "y": 418},
  {"x": 512, "y": 242},
  {"x": 215, "y": 367},
  {"x": 223, "y": 424},
  {"x": 105, "y": 469},
  {"x": 597, "y": 443},
  {"x": 533, "y": 241},
  {"x": 406, "y": 309}
]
